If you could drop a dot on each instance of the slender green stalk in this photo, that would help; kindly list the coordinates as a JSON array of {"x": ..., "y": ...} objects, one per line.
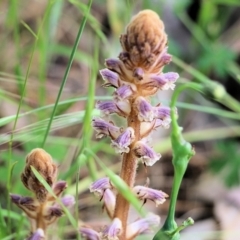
[
  {"x": 80, "y": 31},
  {"x": 214, "y": 89},
  {"x": 87, "y": 129},
  {"x": 182, "y": 153}
]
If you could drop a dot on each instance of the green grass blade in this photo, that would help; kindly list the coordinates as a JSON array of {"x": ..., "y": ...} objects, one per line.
[
  {"x": 67, "y": 71},
  {"x": 49, "y": 189}
]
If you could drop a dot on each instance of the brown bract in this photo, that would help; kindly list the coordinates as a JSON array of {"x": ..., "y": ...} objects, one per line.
[
  {"x": 144, "y": 42},
  {"x": 43, "y": 163}
]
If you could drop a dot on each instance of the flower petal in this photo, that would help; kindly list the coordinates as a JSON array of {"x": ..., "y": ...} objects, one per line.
[
  {"x": 38, "y": 235},
  {"x": 98, "y": 187},
  {"x": 165, "y": 81},
  {"x": 122, "y": 108},
  {"x": 145, "y": 109},
  {"x": 142, "y": 225},
  {"x": 124, "y": 92},
  {"x": 111, "y": 78},
  {"x": 109, "y": 200},
  {"x": 144, "y": 152},
  {"x": 145, "y": 193},
  {"x": 89, "y": 233},
  {"x": 104, "y": 128},
  {"x": 121, "y": 144},
  {"x": 113, "y": 231}
]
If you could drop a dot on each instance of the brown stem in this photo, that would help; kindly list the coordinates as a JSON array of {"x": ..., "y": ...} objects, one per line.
[{"x": 128, "y": 173}]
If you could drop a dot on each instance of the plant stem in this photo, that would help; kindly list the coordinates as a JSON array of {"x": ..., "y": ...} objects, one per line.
[
  {"x": 182, "y": 153},
  {"x": 128, "y": 174}
]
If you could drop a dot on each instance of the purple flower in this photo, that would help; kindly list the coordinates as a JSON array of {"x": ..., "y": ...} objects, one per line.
[
  {"x": 145, "y": 109},
  {"x": 113, "y": 231},
  {"x": 89, "y": 233},
  {"x": 104, "y": 128},
  {"x": 111, "y": 78},
  {"x": 68, "y": 200},
  {"x": 166, "y": 58},
  {"x": 142, "y": 225},
  {"x": 59, "y": 187},
  {"x": 138, "y": 73},
  {"x": 164, "y": 81},
  {"x": 27, "y": 204},
  {"x": 109, "y": 200},
  {"x": 122, "y": 108},
  {"x": 54, "y": 212},
  {"x": 145, "y": 193},
  {"x": 163, "y": 113},
  {"x": 124, "y": 92},
  {"x": 116, "y": 65},
  {"x": 121, "y": 144},
  {"x": 38, "y": 235},
  {"x": 98, "y": 187},
  {"x": 145, "y": 153}
]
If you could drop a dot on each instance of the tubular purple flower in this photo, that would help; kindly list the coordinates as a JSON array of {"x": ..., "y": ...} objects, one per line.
[
  {"x": 122, "y": 108},
  {"x": 68, "y": 200},
  {"x": 145, "y": 109},
  {"x": 163, "y": 113},
  {"x": 98, "y": 187},
  {"x": 138, "y": 73},
  {"x": 59, "y": 187},
  {"x": 54, "y": 211},
  {"x": 166, "y": 58},
  {"x": 142, "y": 225},
  {"x": 121, "y": 144},
  {"x": 104, "y": 128},
  {"x": 113, "y": 231},
  {"x": 111, "y": 78},
  {"x": 107, "y": 107},
  {"x": 119, "y": 67},
  {"x": 145, "y": 153},
  {"x": 165, "y": 81},
  {"x": 38, "y": 235},
  {"x": 89, "y": 233},
  {"x": 27, "y": 204},
  {"x": 124, "y": 92},
  {"x": 109, "y": 200},
  {"x": 145, "y": 193}
]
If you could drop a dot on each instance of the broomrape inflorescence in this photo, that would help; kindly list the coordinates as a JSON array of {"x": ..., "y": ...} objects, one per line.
[
  {"x": 136, "y": 75},
  {"x": 42, "y": 210}
]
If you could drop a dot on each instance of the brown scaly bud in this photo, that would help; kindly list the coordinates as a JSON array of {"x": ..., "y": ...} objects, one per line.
[
  {"x": 144, "y": 42},
  {"x": 43, "y": 163}
]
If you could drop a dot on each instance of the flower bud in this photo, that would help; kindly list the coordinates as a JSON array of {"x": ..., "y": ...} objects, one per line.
[
  {"x": 142, "y": 42},
  {"x": 43, "y": 163}
]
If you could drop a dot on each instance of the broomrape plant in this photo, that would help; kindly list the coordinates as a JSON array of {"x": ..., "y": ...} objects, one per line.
[
  {"x": 136, "y": 75},
  {"x": 42, "y": 210}
]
